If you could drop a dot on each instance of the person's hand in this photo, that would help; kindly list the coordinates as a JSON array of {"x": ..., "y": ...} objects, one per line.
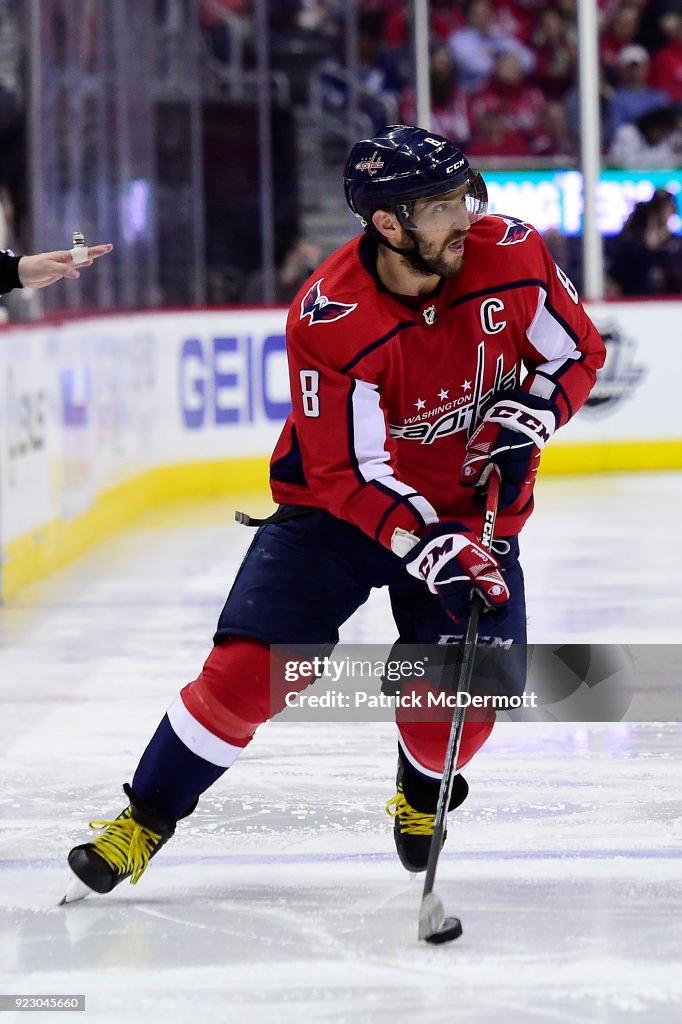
[
  {"x": 447, "y": 556},
  {"x": 511, "y": 437},
  {"x": 47, "y": 267}
]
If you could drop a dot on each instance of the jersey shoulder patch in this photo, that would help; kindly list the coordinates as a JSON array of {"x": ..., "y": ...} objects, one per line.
[
  {"x": 516, "y": 231},
  {"x": 321, "y": 309}
]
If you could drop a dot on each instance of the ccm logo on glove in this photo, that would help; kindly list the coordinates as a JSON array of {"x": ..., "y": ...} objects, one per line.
[
  {"x": 517, "y": 417},
  {"x": 510, "y": 437},
  {"x": 448, "y": 556}
]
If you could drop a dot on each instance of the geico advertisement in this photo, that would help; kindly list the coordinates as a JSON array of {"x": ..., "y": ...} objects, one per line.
[{"x": 232, "y": 373}]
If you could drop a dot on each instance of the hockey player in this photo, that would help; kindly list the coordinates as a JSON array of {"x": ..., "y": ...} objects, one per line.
[{"x": 406, "y": 349}]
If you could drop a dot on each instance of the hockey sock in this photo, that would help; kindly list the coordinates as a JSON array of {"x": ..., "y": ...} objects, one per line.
[
  {"x": 424, "y": 743},
  {"x": 421, "y": 791},
  {"x": 232, "y": 695},
  {"x": 206, "y": 728},
  {"x": 170, "y": 777}
]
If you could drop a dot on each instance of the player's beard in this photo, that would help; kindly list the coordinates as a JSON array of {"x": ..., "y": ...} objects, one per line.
[{"x": 427, "y": 260}]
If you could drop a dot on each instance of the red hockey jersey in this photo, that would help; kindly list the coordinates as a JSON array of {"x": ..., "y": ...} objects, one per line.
[{"x": 386, "y": 389}]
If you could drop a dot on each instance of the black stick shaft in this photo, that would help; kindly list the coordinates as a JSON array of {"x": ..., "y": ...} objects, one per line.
[{"x": 463, "y": 686}]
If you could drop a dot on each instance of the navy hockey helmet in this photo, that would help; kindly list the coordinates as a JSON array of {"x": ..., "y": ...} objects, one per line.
[{"x": 403, "y": 164}]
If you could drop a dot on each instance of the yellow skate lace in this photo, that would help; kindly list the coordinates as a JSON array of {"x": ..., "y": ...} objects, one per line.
[
  {"x": 412, "y": 822},
  {"x": 126, "y": 845}
]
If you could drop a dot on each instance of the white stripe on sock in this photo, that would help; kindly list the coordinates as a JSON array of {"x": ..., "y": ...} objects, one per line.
[
  {"x": 415, "y": 763},
  {"x": 198, "y": 739}
]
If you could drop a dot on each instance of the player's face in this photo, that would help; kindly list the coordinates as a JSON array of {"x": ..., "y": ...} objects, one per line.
[{"x": 439, "y": 227}]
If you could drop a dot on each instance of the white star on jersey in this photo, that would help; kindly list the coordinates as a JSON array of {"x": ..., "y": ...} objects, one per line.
[
  {"x": 466, "y": 386},
  {"x": 420, "y": 403},
  {"x": 443, "y": 394}
]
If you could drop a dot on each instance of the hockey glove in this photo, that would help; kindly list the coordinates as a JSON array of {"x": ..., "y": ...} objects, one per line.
[
  {"x": 514, "y": 430},
  {"x": 445, "y": 556}
]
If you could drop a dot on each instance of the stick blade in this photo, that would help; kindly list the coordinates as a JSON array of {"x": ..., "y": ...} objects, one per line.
[
  {"x": 431, "y": 915},
  {"x": 434, "y": 926},
  {"x": 450, "y": 929}
]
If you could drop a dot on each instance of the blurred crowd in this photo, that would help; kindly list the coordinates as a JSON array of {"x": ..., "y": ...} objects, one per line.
[
  {"x": 503, "y": 78},
  {"x": 503, "y": 72}
]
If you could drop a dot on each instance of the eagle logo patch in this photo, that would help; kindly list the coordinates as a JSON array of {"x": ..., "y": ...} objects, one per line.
[
  {"x": 516, "y": 231},
  {"x": 322, "y": 310}
]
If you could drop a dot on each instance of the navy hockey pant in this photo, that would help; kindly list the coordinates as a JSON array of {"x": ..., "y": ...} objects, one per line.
[{"x": 301, "y": 578}]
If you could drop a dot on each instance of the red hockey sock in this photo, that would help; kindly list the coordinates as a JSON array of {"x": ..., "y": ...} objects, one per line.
[
  {"x": 231, "y": 696},
  {"x": 425, "y": 743}
]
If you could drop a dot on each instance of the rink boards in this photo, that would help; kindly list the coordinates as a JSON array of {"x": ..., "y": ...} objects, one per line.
[{"x": 104, "y": 417}]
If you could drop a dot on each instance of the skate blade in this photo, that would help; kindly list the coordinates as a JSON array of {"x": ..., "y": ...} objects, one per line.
[{"x": 76, "y": 891}]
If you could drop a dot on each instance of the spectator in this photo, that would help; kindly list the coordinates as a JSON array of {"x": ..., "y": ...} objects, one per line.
[
  {"x": 633, "y": 97},
  {"x": 647, "y": 256},
  {"x": 650, "y": 34},
  {"x": 320, "y": 17},
  {"x": 379, "y": 76},
  {"x": 552, "y": 137},
  {"x": 476, "y": 46},
  {"x": 449, "y": 109},
  {"x": 379, "y": 71},
  {"x": 666, "y": 63},
  {"x": 9, "y": 109},
  {"x": 225, "y": 25},
  {"x": 513, "y": 19},
  {"x": 571, "y": 104},
  {"x": 566, "y": 8},
  {"x": 654, "y": 140},
  {"x": 444, "y": 18},
  {"x": 519, "y": 102},
  {"x": 555, "y": 54},
  {"x": 620, "y": 31},
  {"x": 298, "y": 265},
  {"x": 493, "y": 136}
]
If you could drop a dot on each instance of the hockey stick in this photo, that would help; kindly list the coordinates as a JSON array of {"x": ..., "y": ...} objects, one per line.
[{"x": 434, "y": 926}]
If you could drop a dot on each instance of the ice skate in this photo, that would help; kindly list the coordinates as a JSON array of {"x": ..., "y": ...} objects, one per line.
[
  {"x": 413, "y": 809},
  {"x": 123, "y": 850}
]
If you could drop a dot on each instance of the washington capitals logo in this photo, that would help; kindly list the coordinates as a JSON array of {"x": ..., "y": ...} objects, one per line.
[
  {"x": 373, "y": 164},
  {"x": 516, "y": 231},
  {"x": 322, "y": 310}
]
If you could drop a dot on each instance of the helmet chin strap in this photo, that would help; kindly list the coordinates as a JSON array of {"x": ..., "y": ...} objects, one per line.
[{"x": 413, "y": 256}]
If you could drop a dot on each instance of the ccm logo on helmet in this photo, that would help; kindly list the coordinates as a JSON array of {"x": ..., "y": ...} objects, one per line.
[{"x": 454, "y": 167}]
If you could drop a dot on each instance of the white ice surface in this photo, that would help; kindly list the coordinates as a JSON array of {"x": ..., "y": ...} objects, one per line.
[{"x": 281, "y": 899}]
